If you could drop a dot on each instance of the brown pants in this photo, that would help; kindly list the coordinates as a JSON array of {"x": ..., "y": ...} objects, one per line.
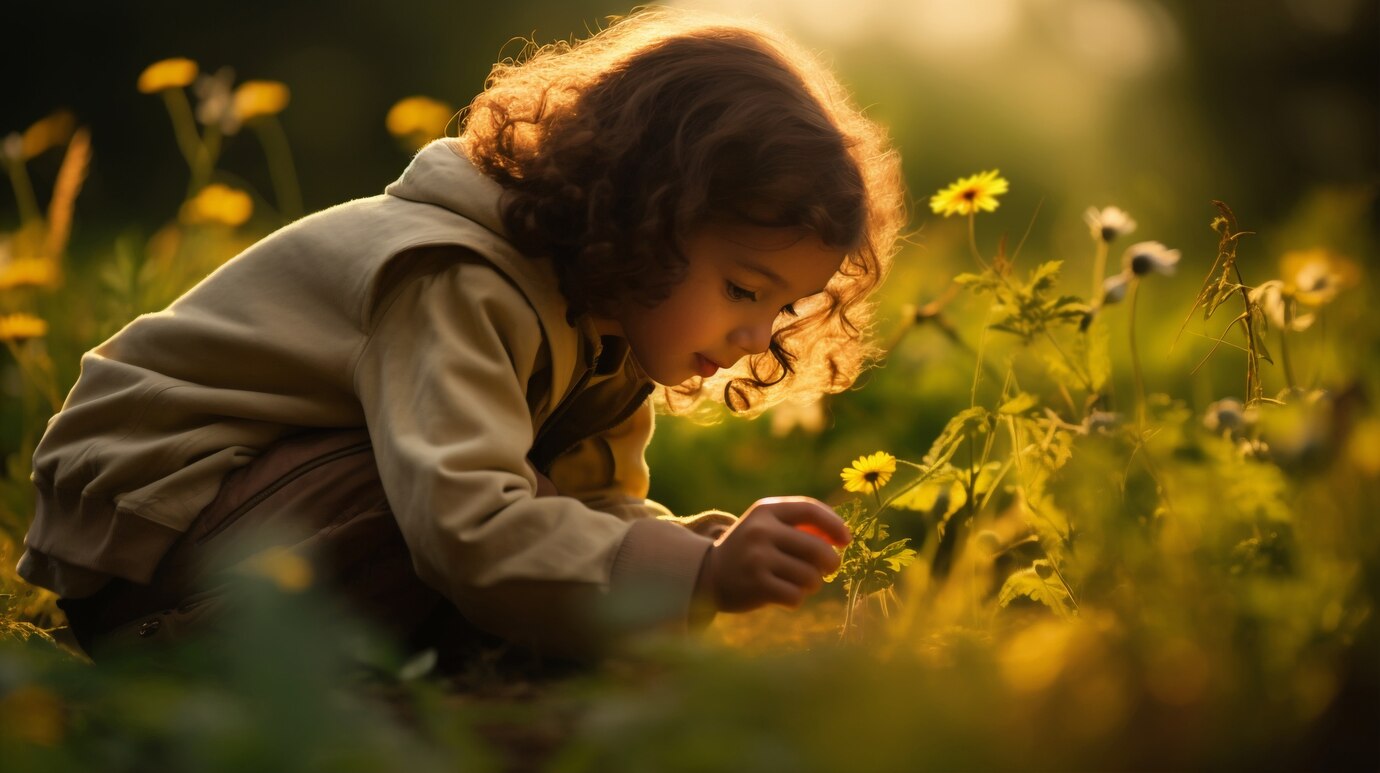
[{"x": 316, "y": 494}]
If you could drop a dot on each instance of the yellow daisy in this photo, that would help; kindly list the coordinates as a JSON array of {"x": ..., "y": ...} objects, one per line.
[
  {"x": 869, "y": 473},
  {"x": 970, "y": 195},
  {"x": 27, "y": 272},
  {"x": 21, "y": 327},
  {"x": 418, "y": 120},
  {"x": 167, "y": 74},
  {"x": 259, "y": 98},
  {"x": 218, "y": 203}
]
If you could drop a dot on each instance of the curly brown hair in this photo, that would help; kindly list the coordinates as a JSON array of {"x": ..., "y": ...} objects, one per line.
[{"x": 613, "y": 149}]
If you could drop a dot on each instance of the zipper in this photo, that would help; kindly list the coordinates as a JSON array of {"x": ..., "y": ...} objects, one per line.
[
  {"x": 288, "y": 477},
  {"x": 553, "y": 419},
  {"x": 622, "y": 416}
]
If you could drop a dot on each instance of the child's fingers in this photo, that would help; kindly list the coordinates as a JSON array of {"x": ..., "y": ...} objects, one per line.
[
  {"x": 810, "y": 549},
  {"x": 802, "y": 511},
  {"x": 781, "y": 590},
  {"x": 798, "y": 573}
]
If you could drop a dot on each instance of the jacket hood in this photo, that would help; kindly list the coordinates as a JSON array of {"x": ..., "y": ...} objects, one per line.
[{"x": 441, "y": 174}]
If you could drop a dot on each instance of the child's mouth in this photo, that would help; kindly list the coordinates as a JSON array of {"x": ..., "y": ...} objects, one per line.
[{"x": 704, "y": 367}]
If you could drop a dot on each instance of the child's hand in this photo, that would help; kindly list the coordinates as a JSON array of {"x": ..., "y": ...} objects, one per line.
[{"x": 767, "y": 558}]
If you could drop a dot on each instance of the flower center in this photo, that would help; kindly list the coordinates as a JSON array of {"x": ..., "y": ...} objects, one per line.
[
  {"x": 871, "y": 477},
  {"x": 970, "y": 194}
]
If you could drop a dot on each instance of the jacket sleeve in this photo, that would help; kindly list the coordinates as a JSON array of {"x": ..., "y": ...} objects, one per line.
[{"x": 442, "y": 380}]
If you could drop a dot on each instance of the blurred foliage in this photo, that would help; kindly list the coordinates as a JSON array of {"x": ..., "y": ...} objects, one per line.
[{"x": 1120, "y": 533}]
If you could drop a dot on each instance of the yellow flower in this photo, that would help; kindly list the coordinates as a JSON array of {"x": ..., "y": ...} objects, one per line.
[
  {"x": 218, "y": 203},
  {"x": 1315, "y": 276},
  {"x": 48, "y": 133},
  {"x": 869, "y": 472},
  {"x": 288, "y": 570},
  {"x": 259, "y": 98},
  {"x": 27, "y": 272},
  {"x": 21, "y": 327},
  {"x": 970, "y": 195},
  {"x": 167, "y": 74},
  {"x": 419, "y": 119}
]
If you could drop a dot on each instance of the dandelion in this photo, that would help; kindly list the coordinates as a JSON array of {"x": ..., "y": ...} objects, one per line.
[
  {"x": 418, "y": 119},
  {"x": 869, "y": 473},
  {"x": 27, "y": 272},
  {"x": 970, "y": 195},
  {"x": 167, "y": 74},
  {"x": 254, "y": 99},
  {"x": 21, "y": 327},
  {"x": 1143, "y": 258},
  {"x": 217, "y": 203},
  {"x": 1108, "y": 223}
]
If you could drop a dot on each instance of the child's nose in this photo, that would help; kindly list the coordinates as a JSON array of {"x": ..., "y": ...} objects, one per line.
[{"x": 752, "y": 338}]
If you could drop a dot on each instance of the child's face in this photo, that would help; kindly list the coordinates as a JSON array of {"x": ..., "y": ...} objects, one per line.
[{"x": 738, "y": 282}]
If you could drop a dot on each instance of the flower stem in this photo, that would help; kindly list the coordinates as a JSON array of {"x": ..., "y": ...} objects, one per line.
[
  {"x": 1135, "y": 358},
  {"x": 972, "y": 240},
  {"x": 1284, "y": 347},
  {"x": 184, "y": 125},
  {"x": 280, "y": 166},
  {"x": 1099, "y": 274}
]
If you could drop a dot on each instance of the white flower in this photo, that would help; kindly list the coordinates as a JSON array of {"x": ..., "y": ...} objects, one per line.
[
  {"x": 1108, "y": 223},
  {"x": 1274, "y": 299},
  {"x": 1142, "y": 258},
  {"x": 13, "y": 146},
  {"x": 1114, "y": 288},
  {"x": 216, "y": 101},
  {"x": 1229, "y": 415},
  {"x": 1316, "y": 276}
]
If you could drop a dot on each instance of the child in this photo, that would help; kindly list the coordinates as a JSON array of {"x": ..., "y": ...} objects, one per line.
[{"x": 440, "y": 395}]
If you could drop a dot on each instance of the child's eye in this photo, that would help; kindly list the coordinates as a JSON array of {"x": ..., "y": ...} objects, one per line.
[{"x": 739, "y": 294}]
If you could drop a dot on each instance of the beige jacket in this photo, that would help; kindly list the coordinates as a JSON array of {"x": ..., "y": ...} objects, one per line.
[{"x": 410, "y": 314}]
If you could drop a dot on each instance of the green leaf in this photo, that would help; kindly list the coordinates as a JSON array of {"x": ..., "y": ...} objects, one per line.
[
  {"x": 1042, "y": 276},
  {"x": 970, "y": 421},
  {"x": 1045, "y": 590},
  {"x": 900, "y": 557}
]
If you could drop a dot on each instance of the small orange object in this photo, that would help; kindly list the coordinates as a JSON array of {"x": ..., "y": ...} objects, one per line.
[{"x": 815, "y": 531}]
